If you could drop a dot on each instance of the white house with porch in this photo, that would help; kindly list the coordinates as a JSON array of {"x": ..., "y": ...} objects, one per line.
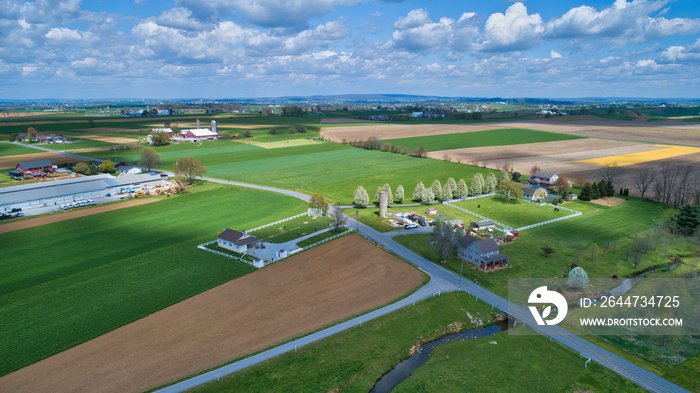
[{"x": 236, "y": 241}]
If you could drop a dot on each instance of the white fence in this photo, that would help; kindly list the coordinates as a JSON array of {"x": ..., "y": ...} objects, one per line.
[
  {"x": 277, "y": 222},
  {"x": 322, "y": 241},
  {"x": 506, "y": 227},
  {"x": 204, "y": 247},
  {"x": 499, "y": 226}
]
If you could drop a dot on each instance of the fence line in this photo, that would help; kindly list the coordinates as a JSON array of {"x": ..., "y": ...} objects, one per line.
[
  {"x": 323, "y": 241},
  {"x": 576, "y": 213},
  {"x": 277, "y": 222},
  {"x": 479, "y": 215},
  {"x": 264, "y": 263}
]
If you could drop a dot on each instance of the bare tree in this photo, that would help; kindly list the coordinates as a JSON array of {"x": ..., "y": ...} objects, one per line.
[
  {"x": 611, "y": 171},
  {"x": 683, "y": 191},
  {"x": 665, "y": 186},
  {"x": 643, "y": 178},
  {"x": 337, "y": 216}
]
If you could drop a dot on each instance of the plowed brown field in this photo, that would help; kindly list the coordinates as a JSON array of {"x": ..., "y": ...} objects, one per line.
[
  {"x": 296, "y": 296},
  {"x": 55, "y": 158}
]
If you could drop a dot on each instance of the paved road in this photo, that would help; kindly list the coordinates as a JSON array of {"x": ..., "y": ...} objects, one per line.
[
  {"x": 58, "y": 151},
  {"x": 441, "y": 280}
]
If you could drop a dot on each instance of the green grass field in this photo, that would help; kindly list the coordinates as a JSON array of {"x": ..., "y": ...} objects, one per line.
[
  {"x": 64, "y": 283},
  {"x": 597, "y": 241},
  {"x": 331, "y": 169},
  {"x": 320, "y": 236},
  {"x": 509, "y": 136},
  {"x": 515, "y": 364},
  {"x": 10, "y": 149},
  {"x": 292, "y": 229},
  {"x": 513, "y": 214}
]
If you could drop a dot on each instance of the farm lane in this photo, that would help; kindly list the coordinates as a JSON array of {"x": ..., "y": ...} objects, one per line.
[{"x": 441, "y": 278}]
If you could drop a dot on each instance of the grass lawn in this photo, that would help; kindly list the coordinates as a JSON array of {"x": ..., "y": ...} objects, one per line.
[
  {"x": 515, "y": 364},
  {"x": 331, "y": 169},
  {"x": 353, "y": 360},
  {"x": 10, "y": 149},
  {"x": 87, "y": 276},
  {"x": 597, "y": 241},
  {"x": 292, "y": 229},
  {"x": 370, "y": 216},
  {"x": 512, "y": 214},
  {"x": 508, "y": 136},
  {"x": 320, "y": 236},
  {"x": 83, "y": 144}
]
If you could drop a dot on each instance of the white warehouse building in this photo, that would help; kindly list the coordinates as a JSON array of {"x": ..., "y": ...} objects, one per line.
[{"x": 56, "y": 192}]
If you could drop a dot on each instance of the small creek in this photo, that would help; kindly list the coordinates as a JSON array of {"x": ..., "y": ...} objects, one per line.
[{"x": 404, "y": 369}]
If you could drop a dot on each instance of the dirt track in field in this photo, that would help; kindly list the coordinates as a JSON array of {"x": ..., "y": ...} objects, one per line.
[
  {"x": 55, "y": 158},
  {"x": 10, "y": 226},
  {"x": 299, "y": 295},
  {"x": 670, "y": 133}
]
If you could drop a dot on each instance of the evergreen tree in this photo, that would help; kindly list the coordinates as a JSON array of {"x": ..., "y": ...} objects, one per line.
[
  {"x": 622, "y": 192},
  {"x": 627, "y": 192},
  {"x": 491, "y": 183},
  {"x": 436, "y": 188},
  {"x": 361, "y": 196},
  {"x": 595, "y": 191},
  {"x": 586, "y": 192},
  {"x": 462, "y": 191},
  {"x": 399, "y": 194},
  {"x": 610, "y": 190},
  {"x": 687, "y": 220},
  {"x": 418, "y": 192}
]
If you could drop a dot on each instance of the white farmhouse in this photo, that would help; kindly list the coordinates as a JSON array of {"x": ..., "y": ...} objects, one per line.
[{"x": 235, "y": 241}]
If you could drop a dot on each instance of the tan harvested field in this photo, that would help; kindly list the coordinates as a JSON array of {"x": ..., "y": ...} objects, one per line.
[
  {"x": 345, "y": 120},
  {"x": 9, "y": 226},
  {"x": 670, "y": 133},
  {"x": 558, "y": 156},
  {"x": 296, "y": 296},
  {"x": 55, "y": 158},
  {"x": 110, "y": 139}
]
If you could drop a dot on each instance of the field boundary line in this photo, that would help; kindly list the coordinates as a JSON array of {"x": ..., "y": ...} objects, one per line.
[{"x": 509, "y": 228}]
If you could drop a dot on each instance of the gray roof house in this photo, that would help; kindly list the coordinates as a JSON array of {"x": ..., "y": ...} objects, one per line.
[
  {"x": 482, "y": 253},
  {"x": 235, "y": 241},
  {"x": 542, "y": 178}
]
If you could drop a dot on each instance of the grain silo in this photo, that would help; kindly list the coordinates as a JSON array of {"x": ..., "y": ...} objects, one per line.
[
  {"x": 383, "y": 202},
  {"x": 213, "y": 126},
  {"x": 197, "y": 123}
]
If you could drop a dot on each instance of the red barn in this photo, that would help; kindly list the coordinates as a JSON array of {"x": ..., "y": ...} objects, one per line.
[{"x": 34, "y": 168}]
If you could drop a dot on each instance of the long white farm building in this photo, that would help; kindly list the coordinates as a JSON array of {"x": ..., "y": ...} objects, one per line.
[{"x": 68, "y": 190}]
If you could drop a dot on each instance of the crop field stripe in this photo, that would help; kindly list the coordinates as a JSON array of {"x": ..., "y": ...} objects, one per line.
[
  {"x": 603, "y": 224},
  {"x": 9, "y": 149},
  {"x": 502, "y": 137},
  {"x": 636, "y": 158}
]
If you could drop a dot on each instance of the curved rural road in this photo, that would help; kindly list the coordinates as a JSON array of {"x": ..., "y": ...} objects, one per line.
[{"x": 441, "y": 281}]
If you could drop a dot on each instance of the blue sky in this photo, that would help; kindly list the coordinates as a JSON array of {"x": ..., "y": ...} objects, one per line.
[{"x": 267, "y": 48}]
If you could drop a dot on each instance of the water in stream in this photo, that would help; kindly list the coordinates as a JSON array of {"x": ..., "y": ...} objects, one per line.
[{"x": 404, "y": 369}]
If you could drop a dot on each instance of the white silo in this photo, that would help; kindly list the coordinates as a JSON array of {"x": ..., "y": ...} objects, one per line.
[
  {"x": 383, "y": 203},
  {"x": 213, "y": 126},
  {"x": 197, "y": 123}
]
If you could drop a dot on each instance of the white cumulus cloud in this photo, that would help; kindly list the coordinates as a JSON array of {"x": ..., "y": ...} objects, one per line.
[{"x": 513, "y": 31}]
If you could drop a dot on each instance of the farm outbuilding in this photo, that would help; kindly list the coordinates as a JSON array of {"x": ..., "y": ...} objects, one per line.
[
  {"x": 483, "y": 225},
  {"x": 56, "y": 192},
  {"x": 33, "y": 168},
  {"x": 236, "y": 241}
]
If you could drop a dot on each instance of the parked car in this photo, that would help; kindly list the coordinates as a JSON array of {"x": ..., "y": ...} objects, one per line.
[
  {"x": 90, "y": 201},
  {"x": 63, "y": 206},
  {"x": 410, "y": 225}
]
